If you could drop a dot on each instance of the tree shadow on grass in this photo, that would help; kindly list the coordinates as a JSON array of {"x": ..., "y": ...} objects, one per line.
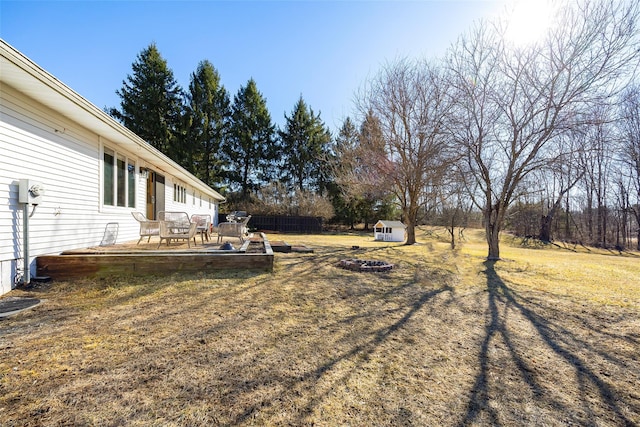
[
  {"x": 480, "y": 408},
  {"x": 331, "y": 253},
  {"x": 359, "y": 351}
]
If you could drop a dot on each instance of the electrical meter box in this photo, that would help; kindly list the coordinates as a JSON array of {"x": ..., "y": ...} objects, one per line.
[{"x": 30, "y": 192}]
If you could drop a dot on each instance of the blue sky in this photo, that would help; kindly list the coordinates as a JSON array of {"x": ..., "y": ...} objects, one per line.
[{"x": 322, "y": 50}]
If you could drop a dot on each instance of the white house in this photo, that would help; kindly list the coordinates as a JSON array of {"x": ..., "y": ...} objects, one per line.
[
  {"x": 91, "y": 171},
  {"x": 389, "y": 231}
]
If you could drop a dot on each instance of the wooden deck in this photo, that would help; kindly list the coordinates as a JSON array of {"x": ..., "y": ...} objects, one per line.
[{"x": 146, "y": 258}]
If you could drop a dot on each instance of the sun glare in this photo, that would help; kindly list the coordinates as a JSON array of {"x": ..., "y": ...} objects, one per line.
[{"x": 528, "y": 20}]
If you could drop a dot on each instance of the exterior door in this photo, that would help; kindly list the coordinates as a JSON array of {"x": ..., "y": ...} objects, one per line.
[
  {"x": 159, "y": 206},
  {"x": 155, "y": 194}
]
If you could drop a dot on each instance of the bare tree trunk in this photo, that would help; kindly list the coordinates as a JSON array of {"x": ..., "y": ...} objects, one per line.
[
  {"x": 411, "y": 234},
  {"x": 625, "y": 233},
  {"x": 493, "y": 241},
  {"x": 547, "y": 220},
  {"x": 624, "y": 208},
  {"x": 567, "y": 223},
  {"x": 598, "y": 224},
  {"x": 410, "y": 218},
  {"x": 493, "y": 224},
  {"x": 451, "y": 228},
  {"x": 590, "y": 216},
  {"x": 545, "y": 228}
]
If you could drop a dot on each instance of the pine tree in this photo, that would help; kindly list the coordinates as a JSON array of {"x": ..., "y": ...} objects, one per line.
[
  {"x": 361, "y": 193},
  {"x": 345, "y": 143},
  {"x": 208, "y": 118},
  {"x": 151, "y": 102},
  {"x": 305, "y": 144},
  {"x": 251, "y": 150}
]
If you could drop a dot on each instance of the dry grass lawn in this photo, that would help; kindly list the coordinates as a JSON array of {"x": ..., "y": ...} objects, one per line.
[{"x": 545, "y": 337}]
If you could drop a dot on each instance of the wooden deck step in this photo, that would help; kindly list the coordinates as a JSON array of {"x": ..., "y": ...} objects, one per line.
[{"x": 280, "y": 246}]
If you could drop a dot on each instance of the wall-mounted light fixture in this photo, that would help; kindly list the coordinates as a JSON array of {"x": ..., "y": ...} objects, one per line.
[{"x": 144, "y": 173}]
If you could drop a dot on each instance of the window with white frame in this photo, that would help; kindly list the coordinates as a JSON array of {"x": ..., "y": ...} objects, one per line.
[
  {"x": 118, "y": 179},
  {"x": 179, "y": 193}
]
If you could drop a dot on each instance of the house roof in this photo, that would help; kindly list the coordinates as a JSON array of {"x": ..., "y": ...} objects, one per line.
[
  {"x": 19, "y": 72},
  {"x": 390, "y": 224}
]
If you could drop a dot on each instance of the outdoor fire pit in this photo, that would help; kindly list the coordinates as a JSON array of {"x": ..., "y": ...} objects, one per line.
[{"x": 373, "y": 266}]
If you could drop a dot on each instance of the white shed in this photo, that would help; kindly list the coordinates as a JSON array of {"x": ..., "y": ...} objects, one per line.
[
  {"x": 389, "y": 231},
  {"x": 90, "y": 172}
]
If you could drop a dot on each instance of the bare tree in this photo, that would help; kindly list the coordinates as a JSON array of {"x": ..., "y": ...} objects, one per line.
[
  {"x": 630, "y": 149},
  {"x": 454, "y": 209},
  {"x": 622, "y": 209},
  {"x": 355, "y": 169},
  {"x": 513, "y": 102},
  {"x": 566, "y": 170},
  {"x": 410, "y": 102},
  {"x": 276, "y": 198},
  {"x": 599, "y": 169}
]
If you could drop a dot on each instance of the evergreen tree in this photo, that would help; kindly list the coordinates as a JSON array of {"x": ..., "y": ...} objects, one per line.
[
  {"x": 344, "y": 203},
  {"x": 151, "y": 102},
  {"x": 347, "y": 139},
  {"x": 369, "y": 200},
  {"x": 251, "y": 150},
  {"x": 208, "y": 117},
  {"x": 305, "y": 144},
  {"x": 364, "y": 195}
]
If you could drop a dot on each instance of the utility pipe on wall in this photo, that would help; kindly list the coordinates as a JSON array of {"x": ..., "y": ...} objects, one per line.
[{"x": 26, "y": 277}]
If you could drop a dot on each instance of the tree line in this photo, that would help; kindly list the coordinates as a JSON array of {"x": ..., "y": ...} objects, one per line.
[
  {"x": 231, "y": 145},
  {"x": 544, "y": 133},
  {"x": 541, "y": 138}
]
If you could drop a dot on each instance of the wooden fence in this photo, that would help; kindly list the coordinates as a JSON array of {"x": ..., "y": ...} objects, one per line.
[{"x": 282, "y": 223}]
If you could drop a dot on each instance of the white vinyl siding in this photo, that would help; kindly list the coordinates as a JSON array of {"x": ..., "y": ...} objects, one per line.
[{"x": 67, "y": 158}]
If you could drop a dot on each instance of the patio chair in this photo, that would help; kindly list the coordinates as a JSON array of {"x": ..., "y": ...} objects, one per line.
[
  {"x": 204, "y": 224},
  {"x": 236, "y": 216},
  {"x": 110, "y": 235},
  {"x": 148, "y": 228},
  {"x": 179, "y": 218},
  {"x": 231, "y": 229},
  {"x": 175, "y": 230},
  {"x": 245, "y": 222}
]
